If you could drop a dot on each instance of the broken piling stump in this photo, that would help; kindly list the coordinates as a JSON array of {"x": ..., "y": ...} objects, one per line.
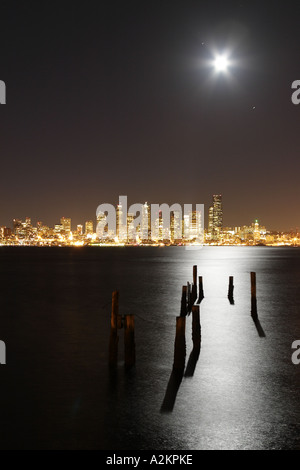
[
  {"x": 230, "y": 290},
  {"x": 180, "y": 347},
  {"x": 183, "y": 309},
  {"x": 194, "y": 285},
  {"x": 253, "y": 295},
  {"x": 196, "y": 327},
  {"x": 201, "y": 293}
]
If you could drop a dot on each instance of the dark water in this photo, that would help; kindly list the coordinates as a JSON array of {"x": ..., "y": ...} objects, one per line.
[{"x": 57, "y": 391}]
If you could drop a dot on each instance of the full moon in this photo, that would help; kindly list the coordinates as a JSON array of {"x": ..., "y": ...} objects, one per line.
[{"x": 221, "y": 63}]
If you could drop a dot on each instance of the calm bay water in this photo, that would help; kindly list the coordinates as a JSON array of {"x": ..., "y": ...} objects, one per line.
[{"x": 57, "y": 392}]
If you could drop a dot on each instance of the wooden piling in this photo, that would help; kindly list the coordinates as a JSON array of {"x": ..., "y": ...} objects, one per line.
[
  {"x": 194, "y": 286},
  {"x": 129, "y": 342},
  {"x": 180, "y": 347},
  {"x": 253, "y": 295},
  {"x": 201, "y": 293},
  {"x": 183, "y": 309},
  {"x": 114, "y": 339},
  {"x": 230, "y": 288},
  {"x": 196, "y": 327},
  {"x": 195, "y": 275},
  {"x": 189, "y": 298}
]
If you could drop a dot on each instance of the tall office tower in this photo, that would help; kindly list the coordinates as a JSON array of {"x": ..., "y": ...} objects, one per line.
[
  {"x": 89, "y": 228},
  {"x": 175, "y": 226},
  {"x": 118, "y": 219},
  {"x": 102, "y": 231},
  {"x": 27, "y": 226},
  {"x": 215, "y": 217},
  {"x": 121, "y": 224},
  {"x": 160, "y": 226},
  {"x": 157, "y": 227},
  {"x": 146, "y": 223},
  {"x": 256, "y": 230},
  {"x": 210, "y": 220},
  {"x": 172, "y": 226},
  {"x": 186, "y": 226},
  {"x": 131, "y": 231},
  {"x": 195, "y": 226},
  {"x": 58, "y": 228},
  {"x": 66, "y": 225},
  {"x": 80, "y": 229}
]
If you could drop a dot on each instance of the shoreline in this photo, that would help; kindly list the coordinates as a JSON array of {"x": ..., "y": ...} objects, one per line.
[{"x": 188, "y": 247}]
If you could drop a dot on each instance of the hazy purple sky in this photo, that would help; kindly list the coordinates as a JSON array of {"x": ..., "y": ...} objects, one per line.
[{"x": 112, "y": 99}]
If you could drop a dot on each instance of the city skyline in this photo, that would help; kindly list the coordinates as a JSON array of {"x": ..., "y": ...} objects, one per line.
[
  {"x": 229, "y": 220},
  {"x": 214, "y": 217},
  {"x": 144, "y": 224}
]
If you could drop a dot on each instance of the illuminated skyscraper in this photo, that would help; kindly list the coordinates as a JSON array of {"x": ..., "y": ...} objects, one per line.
[
  {"x": 215, "y": 217},
  {"x": 131, "y": 232},
  {"x": 89, "y": 227},
  {"x": 186, "y": 227},
  {"x": 210, "y": 220},
  {"x": 118, "y": 218},
  {"x": 66, "y": 225},
  {"x": 192, "y": 226},
  {"x": 58, "y": 228},
  {"x": 256, "y": 230},
  {"x": 195, "y": 225},
  {"x": 146, "y": 222},
  {"x": 160, "y": 226},
  {"x": 176, "y": 226},
  {"x": 121, "y": 218}
]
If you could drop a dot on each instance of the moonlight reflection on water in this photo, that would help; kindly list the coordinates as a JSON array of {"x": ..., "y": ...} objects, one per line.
[{"x": 239, "y": 390}]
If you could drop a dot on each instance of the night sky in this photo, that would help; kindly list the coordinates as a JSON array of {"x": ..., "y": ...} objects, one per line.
[{"x": 117, "y": 99}]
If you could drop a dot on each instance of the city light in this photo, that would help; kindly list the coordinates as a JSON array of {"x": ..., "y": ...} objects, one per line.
[{"x": 148, "y": 232}]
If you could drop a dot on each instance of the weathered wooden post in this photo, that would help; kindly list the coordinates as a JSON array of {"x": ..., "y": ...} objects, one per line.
[
  {"x": 194, "y": 286},
  {"x": 183, "y": 309},
  {"x": 196, "y": 327},
  {"x": 201, "y": 293},
  {"x": 196, "y": 337},
  {"x": 114, "y": 339},
  {"x": 189, "y": 298},
  {"x": 253, "y": 296},
  {"x": 129, "y": 342},
  {"x": 230, "y": 289},
  {"x": 179, "y": 349}
]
